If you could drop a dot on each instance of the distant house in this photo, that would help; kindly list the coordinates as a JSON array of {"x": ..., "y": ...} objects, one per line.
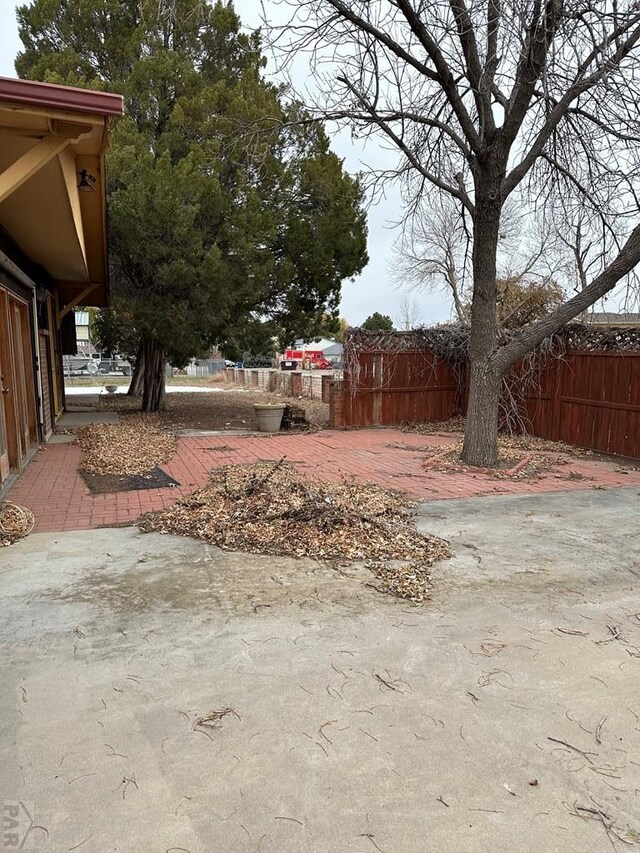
[
  {"x": 82, "y": 332},
  {"x": 333, "y": 353},
  {"x": 608, "y": 318}
]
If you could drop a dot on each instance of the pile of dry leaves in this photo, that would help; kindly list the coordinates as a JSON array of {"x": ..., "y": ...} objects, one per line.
[
  {"x": 268, "y": 508},
  {"x": 435, "y": 427},
  {"x": 540, "y": 445},
  {"x": 134, "y": 446}
]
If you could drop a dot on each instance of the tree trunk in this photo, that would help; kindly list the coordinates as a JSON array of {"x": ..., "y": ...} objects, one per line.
[
  {"x": 480, "y": 446},
  {"x": 481, "y": 434},
  {"x": 135, "y": 386},
  {"x": 155, "y": 359}
]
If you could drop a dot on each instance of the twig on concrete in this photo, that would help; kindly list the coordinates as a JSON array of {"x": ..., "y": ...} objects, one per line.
[
  {"x": 576, "y": 633},
  {"x": 370, "y": 837},
  {"x": 615, "y": 634},
  {"x": 212, "y": 720},
  {"x": 599, "y": 728},
  {"x": 321, "y": 730},
  {"x": 574, "y": 748},
  {"x": 83, "y": 776},
  {"x": 84, "y": 841},
  {"x": 587, "y": 812}
]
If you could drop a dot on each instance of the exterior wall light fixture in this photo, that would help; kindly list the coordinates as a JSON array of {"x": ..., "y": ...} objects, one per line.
[{"x": 86, "y": 182}]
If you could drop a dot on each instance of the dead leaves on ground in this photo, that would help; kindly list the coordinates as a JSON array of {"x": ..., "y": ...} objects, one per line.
[
  {"x": 134, "y": 446},
  {"x": 269, "y": 508},
  {"x": 520, "y": 457}
]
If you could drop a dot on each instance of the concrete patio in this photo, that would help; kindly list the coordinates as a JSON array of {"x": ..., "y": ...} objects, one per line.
[{"x": 358, "y": 723}]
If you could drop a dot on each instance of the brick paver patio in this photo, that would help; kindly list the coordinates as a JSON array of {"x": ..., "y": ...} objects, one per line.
[{"x": 53, "y": 488}]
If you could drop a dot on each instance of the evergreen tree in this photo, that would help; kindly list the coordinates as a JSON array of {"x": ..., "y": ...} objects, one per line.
[
  {"x": 378, "y": 322},
  {"x": 224, "y": 207}
]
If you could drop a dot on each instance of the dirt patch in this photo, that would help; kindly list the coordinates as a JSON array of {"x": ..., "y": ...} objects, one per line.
[
  {"x": 136, "y": 445},
  {"x": 230, "y": 408},
  {"x": 269, "y": 508}
]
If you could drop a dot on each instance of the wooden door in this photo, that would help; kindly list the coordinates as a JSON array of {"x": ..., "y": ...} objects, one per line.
[
  {"x": 4, "y": 442},
  {"x": 18, "y": 389},
  {"x": 21, "y": 331},
  {"x": 8, "y": 437}
]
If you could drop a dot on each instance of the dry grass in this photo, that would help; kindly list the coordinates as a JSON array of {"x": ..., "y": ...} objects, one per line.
[{"x": 269, "y": 508}]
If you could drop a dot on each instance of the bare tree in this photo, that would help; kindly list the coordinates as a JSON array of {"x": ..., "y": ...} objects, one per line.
[
  {"x": 408, "y": 313},
  {"x": 433, "y": 253},
  {"x": 483, "y": 99}
]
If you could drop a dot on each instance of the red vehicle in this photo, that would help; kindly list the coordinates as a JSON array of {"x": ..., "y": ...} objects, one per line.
[
  {"x": 310, "y": 355},
  {"x": 313, "y": 358}
]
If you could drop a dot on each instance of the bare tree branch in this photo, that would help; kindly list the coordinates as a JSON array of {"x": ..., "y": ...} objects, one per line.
[{"x": 623, "y": 264}]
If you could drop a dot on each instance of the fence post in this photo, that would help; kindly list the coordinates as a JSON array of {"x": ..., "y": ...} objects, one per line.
[
  {"x": 296, "y": 384},
  {"x": 336, "y": 397},
  {"x": 326, "y": 388}
]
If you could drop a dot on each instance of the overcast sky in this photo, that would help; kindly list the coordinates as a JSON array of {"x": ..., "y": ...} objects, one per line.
[{"x": 373, "y": 289}]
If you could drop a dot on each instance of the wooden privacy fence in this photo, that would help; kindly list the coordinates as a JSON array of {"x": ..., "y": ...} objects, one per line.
[
  {"x": 590, "y": 399},
  {"x": 387, "y": 388}
]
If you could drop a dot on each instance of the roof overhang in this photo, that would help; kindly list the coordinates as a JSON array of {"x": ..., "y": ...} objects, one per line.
[{"x": 53, "y": 140}]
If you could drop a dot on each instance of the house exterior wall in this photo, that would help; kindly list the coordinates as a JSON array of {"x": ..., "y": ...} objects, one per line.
[
  {"x": 19, "y": 403},
  {"x": 45, "y": 372}
]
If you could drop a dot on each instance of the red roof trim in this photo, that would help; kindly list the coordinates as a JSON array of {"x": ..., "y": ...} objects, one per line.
[{"x": 49, "y": 95}]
